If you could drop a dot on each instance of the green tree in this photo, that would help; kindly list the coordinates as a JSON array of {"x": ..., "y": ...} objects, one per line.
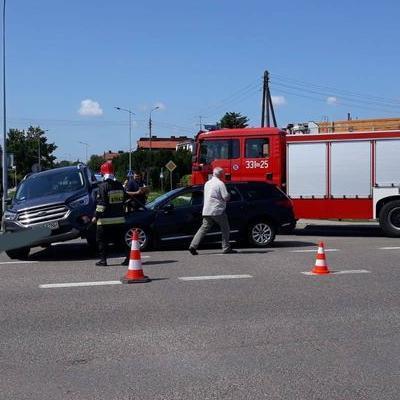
[
  {"x": 151, "y": 162},
  {"x": 233, "y": 120},
  {"x": 25, "y": 144},
  {"x": 63, "y": 163},
  {"x": 95, "y": 162}
]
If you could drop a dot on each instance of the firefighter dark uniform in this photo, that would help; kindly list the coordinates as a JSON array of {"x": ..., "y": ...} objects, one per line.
[{"x": 110, "y": 214}]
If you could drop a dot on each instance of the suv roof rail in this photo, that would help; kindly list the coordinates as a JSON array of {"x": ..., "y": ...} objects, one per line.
[{"x": 27, "y": 175}]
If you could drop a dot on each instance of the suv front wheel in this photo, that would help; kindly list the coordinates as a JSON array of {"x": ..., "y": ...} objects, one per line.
[
  {"x": 19, "y": 254},
  {"x": 261, "y": 233}
]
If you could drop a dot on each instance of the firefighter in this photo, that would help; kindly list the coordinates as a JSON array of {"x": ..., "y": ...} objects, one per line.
[{"x": 110, "y": 215}]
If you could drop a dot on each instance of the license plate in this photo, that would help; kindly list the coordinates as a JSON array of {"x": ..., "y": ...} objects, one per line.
[{"x": 51, "y": 225}]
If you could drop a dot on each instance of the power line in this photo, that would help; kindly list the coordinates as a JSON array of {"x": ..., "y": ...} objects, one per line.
[
  {"x": 386, "y": 100},
  {"x": 350, "y": 98},
  {"x": 255, "y": 84},
  {"x": 339, "y": 104},
  {"x": 244, "y": 97}
]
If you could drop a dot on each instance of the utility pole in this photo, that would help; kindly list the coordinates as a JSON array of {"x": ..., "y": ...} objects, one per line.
[
  {"x": 267, "y": 106},
  {"x": 200, "y": 122}
]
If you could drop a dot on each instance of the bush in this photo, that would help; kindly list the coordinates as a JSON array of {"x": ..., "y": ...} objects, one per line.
[{"x": 186, "y": 180}]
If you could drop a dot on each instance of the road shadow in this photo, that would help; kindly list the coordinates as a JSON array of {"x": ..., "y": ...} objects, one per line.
[
  {"x": 69, "y": 252},
  {"x": 145, "y": 262},
  {"x": 340, "y": 230},
  {"x": 292, "y": 243}
]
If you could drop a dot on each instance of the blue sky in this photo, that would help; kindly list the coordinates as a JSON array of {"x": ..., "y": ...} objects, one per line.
[{"x": 194, "y": 58}]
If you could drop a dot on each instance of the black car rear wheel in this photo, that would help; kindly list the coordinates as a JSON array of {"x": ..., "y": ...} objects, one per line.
[
  {"x": 261, "y": 233},
  {"x": 144, "y": 237}
]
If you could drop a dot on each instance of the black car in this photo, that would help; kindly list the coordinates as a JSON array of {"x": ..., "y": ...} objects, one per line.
[
  {"x": 61, "y": 199},
  {"x": 256, "y": 212}
]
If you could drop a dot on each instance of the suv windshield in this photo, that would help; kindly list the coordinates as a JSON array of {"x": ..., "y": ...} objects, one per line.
[{"x": 50, "y": 183}]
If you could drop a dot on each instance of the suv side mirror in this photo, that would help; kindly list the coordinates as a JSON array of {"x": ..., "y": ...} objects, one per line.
[{"x": 8, "y": 201}]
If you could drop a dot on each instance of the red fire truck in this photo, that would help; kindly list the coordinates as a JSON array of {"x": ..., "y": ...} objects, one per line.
[{"x": 349, "y": 175}]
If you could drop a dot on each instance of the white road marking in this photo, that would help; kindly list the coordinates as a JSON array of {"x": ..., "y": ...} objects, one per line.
[
  {"x": 311, "y": 251},
  {"x": 78, "y": 284},
  {"x": 389, "y": 248},
  {"x": 349, "y": 271},
  {"x": 18, "y": 262},
  {"x": 213, "y": 277}
]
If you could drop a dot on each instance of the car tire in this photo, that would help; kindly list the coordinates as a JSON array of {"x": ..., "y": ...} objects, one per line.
[
  {"x": 389, "y": 218},
  {"x": 19, "y": 254},
  {"x": 261, "y": 233},
  {"x": 144, "y": 237}
]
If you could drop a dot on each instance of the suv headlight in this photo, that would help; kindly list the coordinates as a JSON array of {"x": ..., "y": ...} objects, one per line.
[
  {"x": 9, "y": 215},
  {"x": 81, "y": 201}
]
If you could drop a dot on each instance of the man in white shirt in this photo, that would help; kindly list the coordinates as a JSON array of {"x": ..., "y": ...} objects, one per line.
[{"x": 215, "y": 198}]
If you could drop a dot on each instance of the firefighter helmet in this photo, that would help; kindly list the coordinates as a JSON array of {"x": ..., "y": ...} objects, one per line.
[{"x": 107, "y": 168}]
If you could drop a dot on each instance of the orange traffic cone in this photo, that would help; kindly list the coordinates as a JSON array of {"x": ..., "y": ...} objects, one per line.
[
  {"x": 320, "y": 263},
  {"x": 135, "y": 272}
]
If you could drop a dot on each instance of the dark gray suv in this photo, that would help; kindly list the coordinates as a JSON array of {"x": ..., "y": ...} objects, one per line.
[{"x": 62, "y": 200}]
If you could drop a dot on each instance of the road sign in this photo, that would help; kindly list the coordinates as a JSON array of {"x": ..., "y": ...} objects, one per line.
[{"x": 170, "y": 165}]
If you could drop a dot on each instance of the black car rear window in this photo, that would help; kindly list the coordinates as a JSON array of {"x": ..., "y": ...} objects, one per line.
[{"x": 260, "y": 191}]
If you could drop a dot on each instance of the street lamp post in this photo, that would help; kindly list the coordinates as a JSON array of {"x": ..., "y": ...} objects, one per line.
[
  {"x": 150, "y": 125},
  {"x": 86, "y": 150},
  {"x": 130, "y": 134},
  {"x": 4, "y": 156},
  {"x": 150, "y": 137}
]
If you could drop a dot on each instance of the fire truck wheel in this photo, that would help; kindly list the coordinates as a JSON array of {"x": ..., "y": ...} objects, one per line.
[
  {"x": 389, "y": 218},
  {"x": 261, "y": 233}
]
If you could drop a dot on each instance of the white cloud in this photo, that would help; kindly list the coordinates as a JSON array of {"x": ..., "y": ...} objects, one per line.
[
  {"x": 331, "y": 100},
  {"x": 278, "y": 100},
  {"x": 160, "y": 105},
  {"x": 90, "y": 108}
]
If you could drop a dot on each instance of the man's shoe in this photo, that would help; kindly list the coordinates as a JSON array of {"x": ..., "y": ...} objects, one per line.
[
  {"x": 125, "y": 262},
  {"x": 101, "y": 263},
  {"x": 193, "y": 251},
  {"x": 229, "y": 251}
]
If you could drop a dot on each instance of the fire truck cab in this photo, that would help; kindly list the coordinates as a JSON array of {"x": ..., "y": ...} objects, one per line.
[{"x": 245, "y": 154}]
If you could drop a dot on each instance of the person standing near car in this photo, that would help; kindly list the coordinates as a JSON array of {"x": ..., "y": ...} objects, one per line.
[
  {"x": 137, "y": 190},
  {"x": 110, "y": 214},
  {"x": 215, "y": 199}
]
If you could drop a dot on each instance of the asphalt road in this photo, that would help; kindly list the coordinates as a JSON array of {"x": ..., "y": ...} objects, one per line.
[{"x": 275, "y": 334}]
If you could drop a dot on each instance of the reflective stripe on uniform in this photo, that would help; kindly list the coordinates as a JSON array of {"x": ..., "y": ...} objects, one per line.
[
  {"x": 116, "y": 196},
  {"x": 100, "y": 208},
  {"x": 111, "y": 221}
]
